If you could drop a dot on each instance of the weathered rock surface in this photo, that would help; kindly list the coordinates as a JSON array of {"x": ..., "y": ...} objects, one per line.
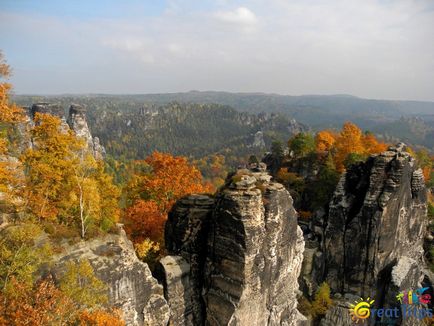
[
  {"x": 252, "y": 249},
  {"x": 258, "y": 140},
  {"x": 78, "y": 123},
  {"x": 377, "y": 216},
  {"x": 47, "y": 108},
  {"x": 131, "y": 285}
]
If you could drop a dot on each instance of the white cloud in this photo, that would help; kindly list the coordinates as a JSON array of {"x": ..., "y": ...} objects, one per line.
[{"x": 241, "y": 15}]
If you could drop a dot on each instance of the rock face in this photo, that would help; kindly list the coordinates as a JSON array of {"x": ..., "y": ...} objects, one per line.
[
  {"x": 131, "y": 285},
  {"x": 78, "y": 123},
  {"x": 372, "y": 238},
  {"x": 47, "y": 108},
  {"x": 377, "y": 216},
  {"x": 234, "y": 258},
  {"x": 258, "y": 140}
]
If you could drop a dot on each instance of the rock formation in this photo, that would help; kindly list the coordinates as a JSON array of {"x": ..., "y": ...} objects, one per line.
[
  {"x": 371, "y": 240},
  {"x": 47, "y": 108},
  {"x": 377, "y": 217},
  {"x": 234, "y": 258},
  {"x": 78, "y": 123},
  {"x": 131, "y": 285},
  {"x": 258, "y": 140}
]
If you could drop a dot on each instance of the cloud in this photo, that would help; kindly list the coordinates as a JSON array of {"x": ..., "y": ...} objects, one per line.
[
  {"x": 241, "y": 15},
  {"x": 370, "y": 48},
  {"x": 137, "y": 47}
]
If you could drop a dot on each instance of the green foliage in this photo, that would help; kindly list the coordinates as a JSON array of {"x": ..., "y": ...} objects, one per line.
[
  {"x": 323, "y": 187},
  {"x": 81, "y": 285},
  {"x": 253, "y": 159},
  {"x": 277, "y": 149},
  {"x": 353, "y": 158},
  {"x": 301, "y": 144},
  {"x": 20, "y": 256},
  {"x": 430, "y": 210}
]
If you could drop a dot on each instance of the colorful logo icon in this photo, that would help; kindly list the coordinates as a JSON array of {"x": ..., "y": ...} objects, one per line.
[
  {"x": 414, "y": 297},
  {"x": 361, "y": 310}
]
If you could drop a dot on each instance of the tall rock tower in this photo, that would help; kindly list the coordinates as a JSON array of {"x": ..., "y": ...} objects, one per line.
[
  {"x": 78, "y": 123},
  {"x": 235, "y": 258}
]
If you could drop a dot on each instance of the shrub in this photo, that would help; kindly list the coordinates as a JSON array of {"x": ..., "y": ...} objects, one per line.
[{"x": 322, "y": 301}]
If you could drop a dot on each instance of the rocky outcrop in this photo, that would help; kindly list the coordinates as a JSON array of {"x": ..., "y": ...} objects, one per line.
[
  {"x": 78, "y": 123},
  {"x": 47, "y": 108},
  {"x": 377, "y": 216},
  {"x": 258, "y": 140},
  {"x": 131, "y": 285},
  {"x": 234, "y": 258},
  {"x": 371, "y": 240}
]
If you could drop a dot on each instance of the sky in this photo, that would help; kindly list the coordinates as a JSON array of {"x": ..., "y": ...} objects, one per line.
[{"x": 368, "y": 48}]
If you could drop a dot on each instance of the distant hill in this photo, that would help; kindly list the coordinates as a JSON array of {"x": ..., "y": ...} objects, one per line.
[
  {"x": 317, "y": 111},
  {"x": 196, "y": 130}
]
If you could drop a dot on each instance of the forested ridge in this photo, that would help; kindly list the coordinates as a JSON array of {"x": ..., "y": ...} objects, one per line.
[{"x": 317, "y": 111}]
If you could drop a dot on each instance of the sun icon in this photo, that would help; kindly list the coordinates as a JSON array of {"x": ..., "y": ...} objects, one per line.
[{"x": 361, "y": 309}]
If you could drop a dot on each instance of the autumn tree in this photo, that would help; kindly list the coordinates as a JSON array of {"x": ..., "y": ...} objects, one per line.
[
  {"x": 9, "y": 112},
  {"x": 322, "y": 301},
  {"x": 144, "y": 220},
  {"x": 100, "y": 317},
  {"x": 426, "y": 163},
  {"x": 19, "y": 256},
  {"x": 371, "y": 144},
  {"x": 11, "y": 180},
  {"x": 49, "y": 169},
  {"x": 80, "y": 284},
  {"x": 213, "y": 168},
  {"x": 39, "y": 305},
  {"x": 324, "y": 140},
  {"x": 348, "y": 141},
  {"x": 65, "y": 183},
  {"x": 161, "y": 180},
  {"x": 352, "y": 145}
]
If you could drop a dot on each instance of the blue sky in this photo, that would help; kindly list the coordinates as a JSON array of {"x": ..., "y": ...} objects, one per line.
[{"x": 370, "y": 48}]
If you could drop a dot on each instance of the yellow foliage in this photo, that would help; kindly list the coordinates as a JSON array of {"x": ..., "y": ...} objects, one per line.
[
  {"x": 325, "y": 140},
  {"x": 80, "y": 284},
  {"x": 322, "y": 301},
  {"x": 100, "y": 318}
]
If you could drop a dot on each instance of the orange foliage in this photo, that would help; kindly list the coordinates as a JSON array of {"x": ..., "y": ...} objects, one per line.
[
  {"x": 153, "y": 194},
  {"x": 9, "y": 113},
  {"x": 427, "y": 173},
  {"x": 305, "y": 215},
  {"x": 372, "y": 145},
  {"x": 325, "y": 140},
  {"x": 100, "y": 318},
  {"x": 350, "y": 140},
  {"x": 42, "y": 305},
  {"x": 172, "y": 178},
  {"x": 144, "y": 220}
]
